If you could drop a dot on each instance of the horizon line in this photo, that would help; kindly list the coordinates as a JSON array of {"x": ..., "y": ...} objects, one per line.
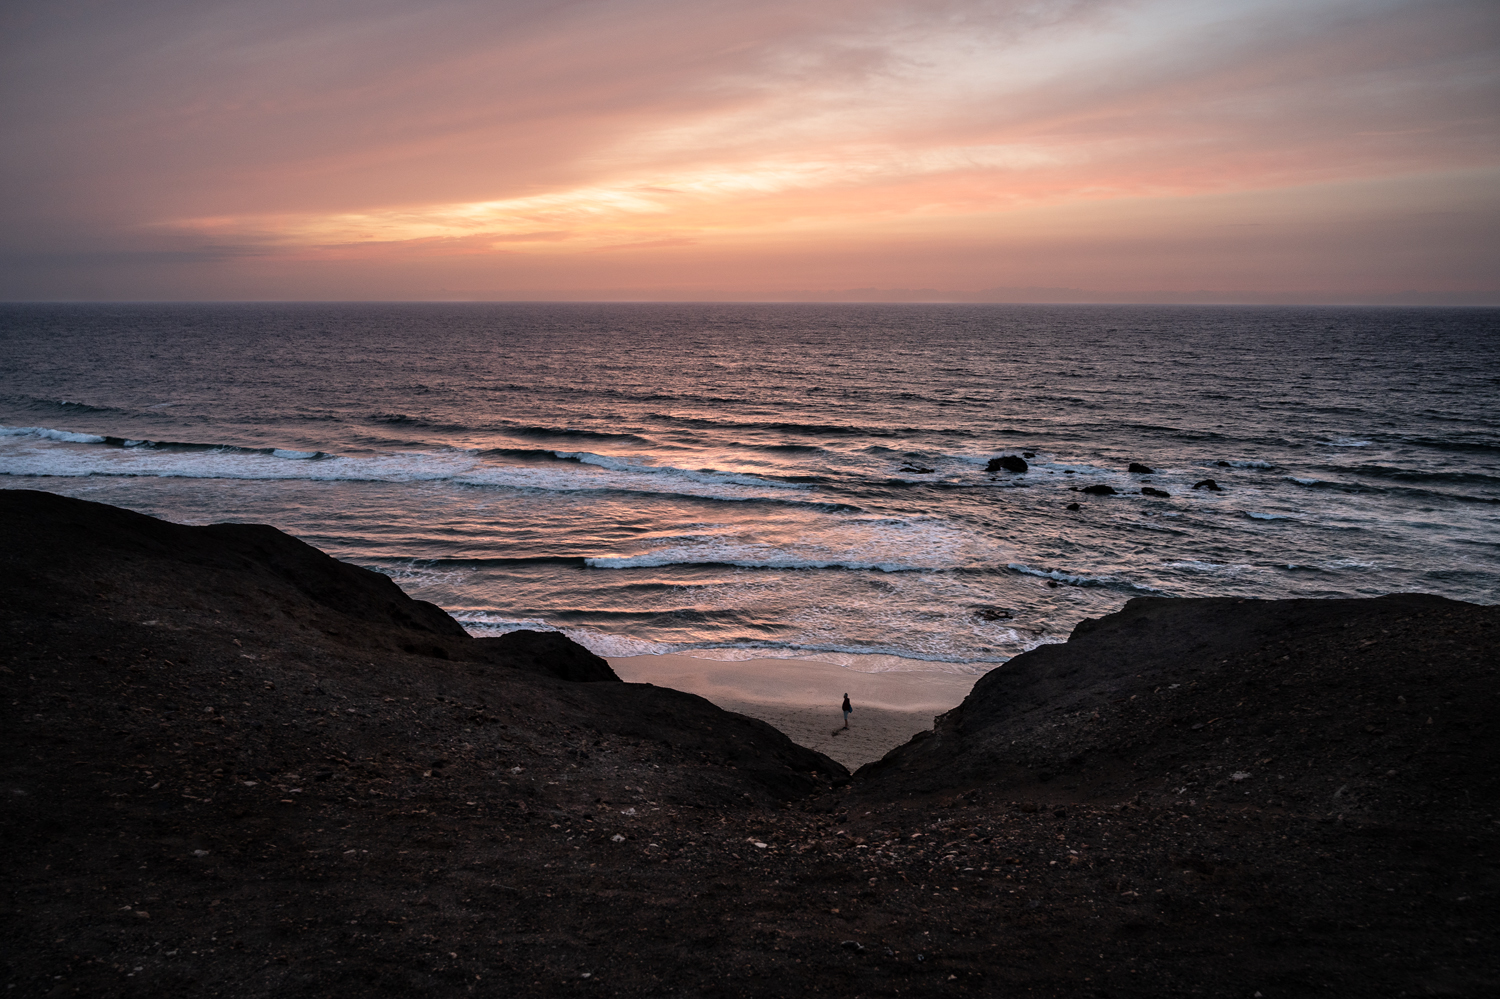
[{"x": 1228, "y": 303}]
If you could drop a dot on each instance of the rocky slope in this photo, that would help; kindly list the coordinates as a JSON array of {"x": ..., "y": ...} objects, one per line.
[
  {"x": 1375, "y": 707},
  {"x": 232, "y": 766}
]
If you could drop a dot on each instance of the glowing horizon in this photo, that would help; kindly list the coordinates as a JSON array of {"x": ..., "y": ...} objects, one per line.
[{"x": 1168, "y": 149}]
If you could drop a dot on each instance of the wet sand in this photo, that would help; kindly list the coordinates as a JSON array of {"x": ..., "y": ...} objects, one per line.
[{"x": 801, "y": 698}]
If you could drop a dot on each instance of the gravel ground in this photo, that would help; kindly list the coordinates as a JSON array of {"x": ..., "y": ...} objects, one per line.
[{"x": 217, "y": 782}]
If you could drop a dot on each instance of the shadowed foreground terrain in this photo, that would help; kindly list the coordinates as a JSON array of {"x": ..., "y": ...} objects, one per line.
[{"x": 231, "y": 765}]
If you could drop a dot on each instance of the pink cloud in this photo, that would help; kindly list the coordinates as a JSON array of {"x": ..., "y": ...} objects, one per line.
[{"x": 787, "y": 144}]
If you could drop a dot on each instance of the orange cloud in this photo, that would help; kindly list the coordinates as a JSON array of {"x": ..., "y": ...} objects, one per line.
[{"x": 887, "y": 134}]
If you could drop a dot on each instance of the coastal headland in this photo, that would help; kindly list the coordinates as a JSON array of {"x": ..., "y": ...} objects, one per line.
[{"x": 232, "y": 765}]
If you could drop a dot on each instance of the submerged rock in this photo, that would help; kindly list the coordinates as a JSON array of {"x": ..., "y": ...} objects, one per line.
[
  {"x": 1160, "y": 493},
  {"x": 1208, "y": 484},
  {"x": 1010, "y": 463},
  {"x": 1099, "y": 490},
  {"x": 1136, "y": 468}
]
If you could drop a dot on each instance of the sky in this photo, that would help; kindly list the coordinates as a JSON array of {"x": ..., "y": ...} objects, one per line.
[{"x": 1339, "y": 151}]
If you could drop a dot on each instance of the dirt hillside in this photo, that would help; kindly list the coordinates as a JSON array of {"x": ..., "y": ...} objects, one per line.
[{"x": 232, "y": 766}]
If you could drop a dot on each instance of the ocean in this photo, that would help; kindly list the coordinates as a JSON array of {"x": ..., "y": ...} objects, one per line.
[{"x": 809, "y": 481}]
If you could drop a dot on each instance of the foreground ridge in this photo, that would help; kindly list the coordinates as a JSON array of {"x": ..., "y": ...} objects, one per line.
[{"x": 232, "y": 765}]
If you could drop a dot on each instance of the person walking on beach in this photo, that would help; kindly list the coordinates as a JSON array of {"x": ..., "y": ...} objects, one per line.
[{"x": 847, "y": 708}]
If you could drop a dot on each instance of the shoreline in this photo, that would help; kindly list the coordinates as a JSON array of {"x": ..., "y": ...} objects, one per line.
[
  {"x": 251, "y": 769},
  {"x": 801, "y": 697}
]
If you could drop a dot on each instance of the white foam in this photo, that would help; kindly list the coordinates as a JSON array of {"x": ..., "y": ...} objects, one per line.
[
  {"x": 866, "y": 659},
  {"x": 1304, "y": 482},
  {"x": 47, "y": 433},
  {"x": 460, "y": 467},
  {"x": 1346, "y": 442},
  {"x": 1210, "y": 568},
  {"x": 600, "y": 643},
  {"x": 1333, "y": 566},
  {"x": 1267, "y": 516},
  {"x": 419, "y": 576},
  {"x": 860, "y": 658},
  {"x": 1076, "y": 580},
  {"x": 770, "y": 559},
  {"x": 618, "y": 464},
  {"x": 855, "y": 543}
]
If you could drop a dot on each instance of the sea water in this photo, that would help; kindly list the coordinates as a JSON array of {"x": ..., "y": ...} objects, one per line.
[{"x": 790, "y": 480}]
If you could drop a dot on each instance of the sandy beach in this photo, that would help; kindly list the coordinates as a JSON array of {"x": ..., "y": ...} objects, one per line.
[{"x": 801, "y": 697}]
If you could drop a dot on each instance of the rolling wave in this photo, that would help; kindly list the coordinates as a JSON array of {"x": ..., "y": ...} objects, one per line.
[
  {"x": 654, "y": 560},
  {"x": 482, "y": 624},
  {"x": 1416, "y": 475},
  {"x": 1414, "y": 492},
  {"x": 579, "y": 471},
  {"x": 69, "y": 437},
  {"x": 820, "y": 429},
  {"x": 523, "y": 430},
  {"x": 69, "y": 406},
  {"x": 454, "y": 564},
  {"x": 1076, "y": 579}
]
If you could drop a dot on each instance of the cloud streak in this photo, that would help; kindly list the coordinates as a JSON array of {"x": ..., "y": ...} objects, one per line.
[{"x": 529, "y": 137}]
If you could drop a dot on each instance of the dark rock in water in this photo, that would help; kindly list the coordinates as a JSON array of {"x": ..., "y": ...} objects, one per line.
[
  {"x": 1161, "y": 493},
  {"x": 1137, "y": 468},
  {"x": 916, "y": 470},
  {"x": 1028, "y": 454},
  {"x": 1208, "y": 484},
  {"x": 1223, "y": 464},
  {"x": 993, "y": 613},
  {"x": 1074, "y": 506},
  {"x": 1099, "y": 490},
  {"x": 1010, "y": 463}
]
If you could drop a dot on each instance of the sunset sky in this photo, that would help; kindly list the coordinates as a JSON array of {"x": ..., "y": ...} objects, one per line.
[{"x": 1092, "y": 150}]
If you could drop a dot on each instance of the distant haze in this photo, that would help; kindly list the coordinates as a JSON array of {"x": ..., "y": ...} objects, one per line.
[{"x": 1255, "y": 151}]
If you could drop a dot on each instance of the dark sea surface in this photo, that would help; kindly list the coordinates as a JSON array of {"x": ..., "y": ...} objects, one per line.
[{"x": 790, "y": 480}]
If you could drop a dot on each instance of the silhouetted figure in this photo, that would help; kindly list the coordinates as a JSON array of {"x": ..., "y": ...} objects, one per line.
[{"x": 847, "y": 708}]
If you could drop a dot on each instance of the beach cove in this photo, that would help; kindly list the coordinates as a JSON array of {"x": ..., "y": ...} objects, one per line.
[
  {"x": 231, "y": 762},
  {"x": 802, "y": 697}
]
